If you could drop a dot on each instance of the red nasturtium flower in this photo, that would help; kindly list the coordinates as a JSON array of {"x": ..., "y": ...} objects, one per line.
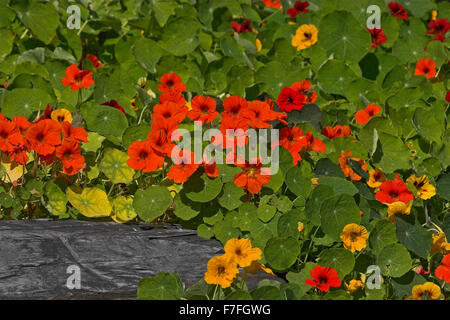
[
  {"x": 290, "y": 99},
  {"x": 393, "y": 191},
  {"x": 290, "y": 138},
  {"x": 142, "y": 157},
  {"x": 243, "y": 27},
  {"x": 426, "y": 67},
  {"x": 447, "y": 96},
  {"x": 203, "y": 109},
  {"x": 172, "y": 96},
  {"x": 44, "y": 136},
  {"x": 363, "y": 116},
  {"x": 443, "y": 271},
  {"x": 20, "y": 149},
  {"x": 336, "y": 132},
  {"x": 69, "y": 153},
  {"x": 398, "y": 11},
  {"x": 305, "y": 87},
  {"x": 378, "y": 37},
  {"x": 171, "y": 82},
  {"x": 160, "y": 136},
  {"x": 4, "y": 86},
  {"x": 77, "y": 134},
  {"x": 114, "y": 104},
  {"x": 236, "y": 108},
  {"x": 254, "y": 176},
  {"x": 22, "y": 124},
  {"x": 272, "y": 3},
  {"x": 299, "y": 7},
  {"x": 97, "y": 64},
  {"x": 261, "y": 114},
  {"x": 344, "y": 163},
  {"x": 76, "y": 78},
  {"x": 323, "y": 278},
  {"x": 439, "y": 27}
]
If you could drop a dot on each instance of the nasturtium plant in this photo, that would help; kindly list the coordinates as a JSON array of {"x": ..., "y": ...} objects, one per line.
[{"x": 309, "y": 138}]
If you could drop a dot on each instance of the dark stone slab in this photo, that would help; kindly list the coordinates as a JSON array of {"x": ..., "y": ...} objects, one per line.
[{"x": 35, "y": 256}]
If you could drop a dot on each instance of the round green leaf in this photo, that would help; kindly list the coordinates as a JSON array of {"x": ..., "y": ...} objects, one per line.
[
  {"x": 152, "y": 202},
  {"x": 394, "y": 260},
  {"x": 202, "y": 188},
  {"x": 114, "y": 166},
  {"x": 341, "y": 260},
  {"x": 281, "y": 253}
]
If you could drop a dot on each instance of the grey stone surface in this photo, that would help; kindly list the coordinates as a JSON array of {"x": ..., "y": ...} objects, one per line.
[{"x": 112, "y": 258}]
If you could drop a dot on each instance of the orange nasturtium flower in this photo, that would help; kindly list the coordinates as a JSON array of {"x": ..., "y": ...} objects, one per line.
[
  {"x": 143, "y": 157},
  {"x": 242, "y": 251},
  {"x": 376, "y": 178},
  {"x": 354, "y": 237},
  {"x": 272, "y": 3},
  {"x": 426, "y": 67},
  {"x": 69, "y": 153},
  {"x": 70, "y": 133},
  {"x": 221, "y": 270},
  {"x": 171, "y": 82},
  {"x": 393, "y": 191},
  {"x": 336, "y": 131},
  {"x": 427, "y": 290},
  {"x": 76, "y": 78},
  {"x": 354, "y": 285},
  {"x": 97, "y": 64},
  {"x": 62, "y": 115},
  {"x": 183, "y": 168},
  {"x": 44, "y": 136},
  {"x": 203, "y": 109},
  {"x": 363, "y": 116},
  {"x": 345, "y": 165},
  {"x": 253, "y": 177},
  {"x": 443, "y": 271},
  {"x": 305, "y": 37}
]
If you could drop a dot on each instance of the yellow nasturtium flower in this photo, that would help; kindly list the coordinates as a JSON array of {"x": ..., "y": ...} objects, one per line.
[
  {"x": 255, "y": 267},
  {"x": 305, "y": 36},
  {"x": 434, "y": 14},
  {"x": 427, "y": 290},
  {"x": 440, "y": 244},
  {"x": 425, "y": 189},
  {"x": 398, "y": 207},
  {"x": 242, "y": 251},
  {"x": 221, "y": 270},
  {"x": 354, "y": 237},
  {"x": 354, "y": 285},
  {"x": 62, "y": 115},
  {"x": 376, "y": 178}
]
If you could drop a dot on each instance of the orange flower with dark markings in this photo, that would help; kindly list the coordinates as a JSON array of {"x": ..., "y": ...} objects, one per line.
[
  {"x": 76, "y": 78},
  {"x": 290, "y": 138},
  {"x": 210, "y": 168},
  {"x": 323, "y": 278},
  {"x": 253, "y": 178},
  {"x": 169, "y": 111},
  {"x": 44, "y": 136},
  {"x": 236, "y": 107},
  {"x": 69, "y": 153},
  {"x": 171, "y": 82},
  {"x": 336, "y": 131},
  {"x": 378, "y": 37},
  {"x": 97, "y": 64},
  {"x": 20, "y": 147},
  {"x": 363, "y": 116},
  {"x": 203, "y": 109},
  {"x": 77, "y": 134},
  {"x": 272, "y": 3},
  {"x": 393, "y": 191},
  {"x": 243, "y": 27},
  {"x": 426, "y": 67},
  {"x": 398, "y": 11},
  {"x": 309, "y": 143},
  {"x": 261, "y": 114},
  {"x": 142, "y": 157},
  {"x": 344, "y": 163}
]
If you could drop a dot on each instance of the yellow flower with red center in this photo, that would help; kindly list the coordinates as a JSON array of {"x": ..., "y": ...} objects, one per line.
[
  {"x": 354, "y": 285},
  {"x": 242, "y": 251},
  {"x": 376, "y": 178},
  {"x": 440, "y": 244},
  {"x": 428, "y": 290},
  {"x": 305, "y": 36},
  {"x": 62, "y": 115},
  {"x": 221, "y": 270},
  {"x": 425, "y": 189},
  {"x": 398, "y": 207},
  {"x": 354, "y": 237}
]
